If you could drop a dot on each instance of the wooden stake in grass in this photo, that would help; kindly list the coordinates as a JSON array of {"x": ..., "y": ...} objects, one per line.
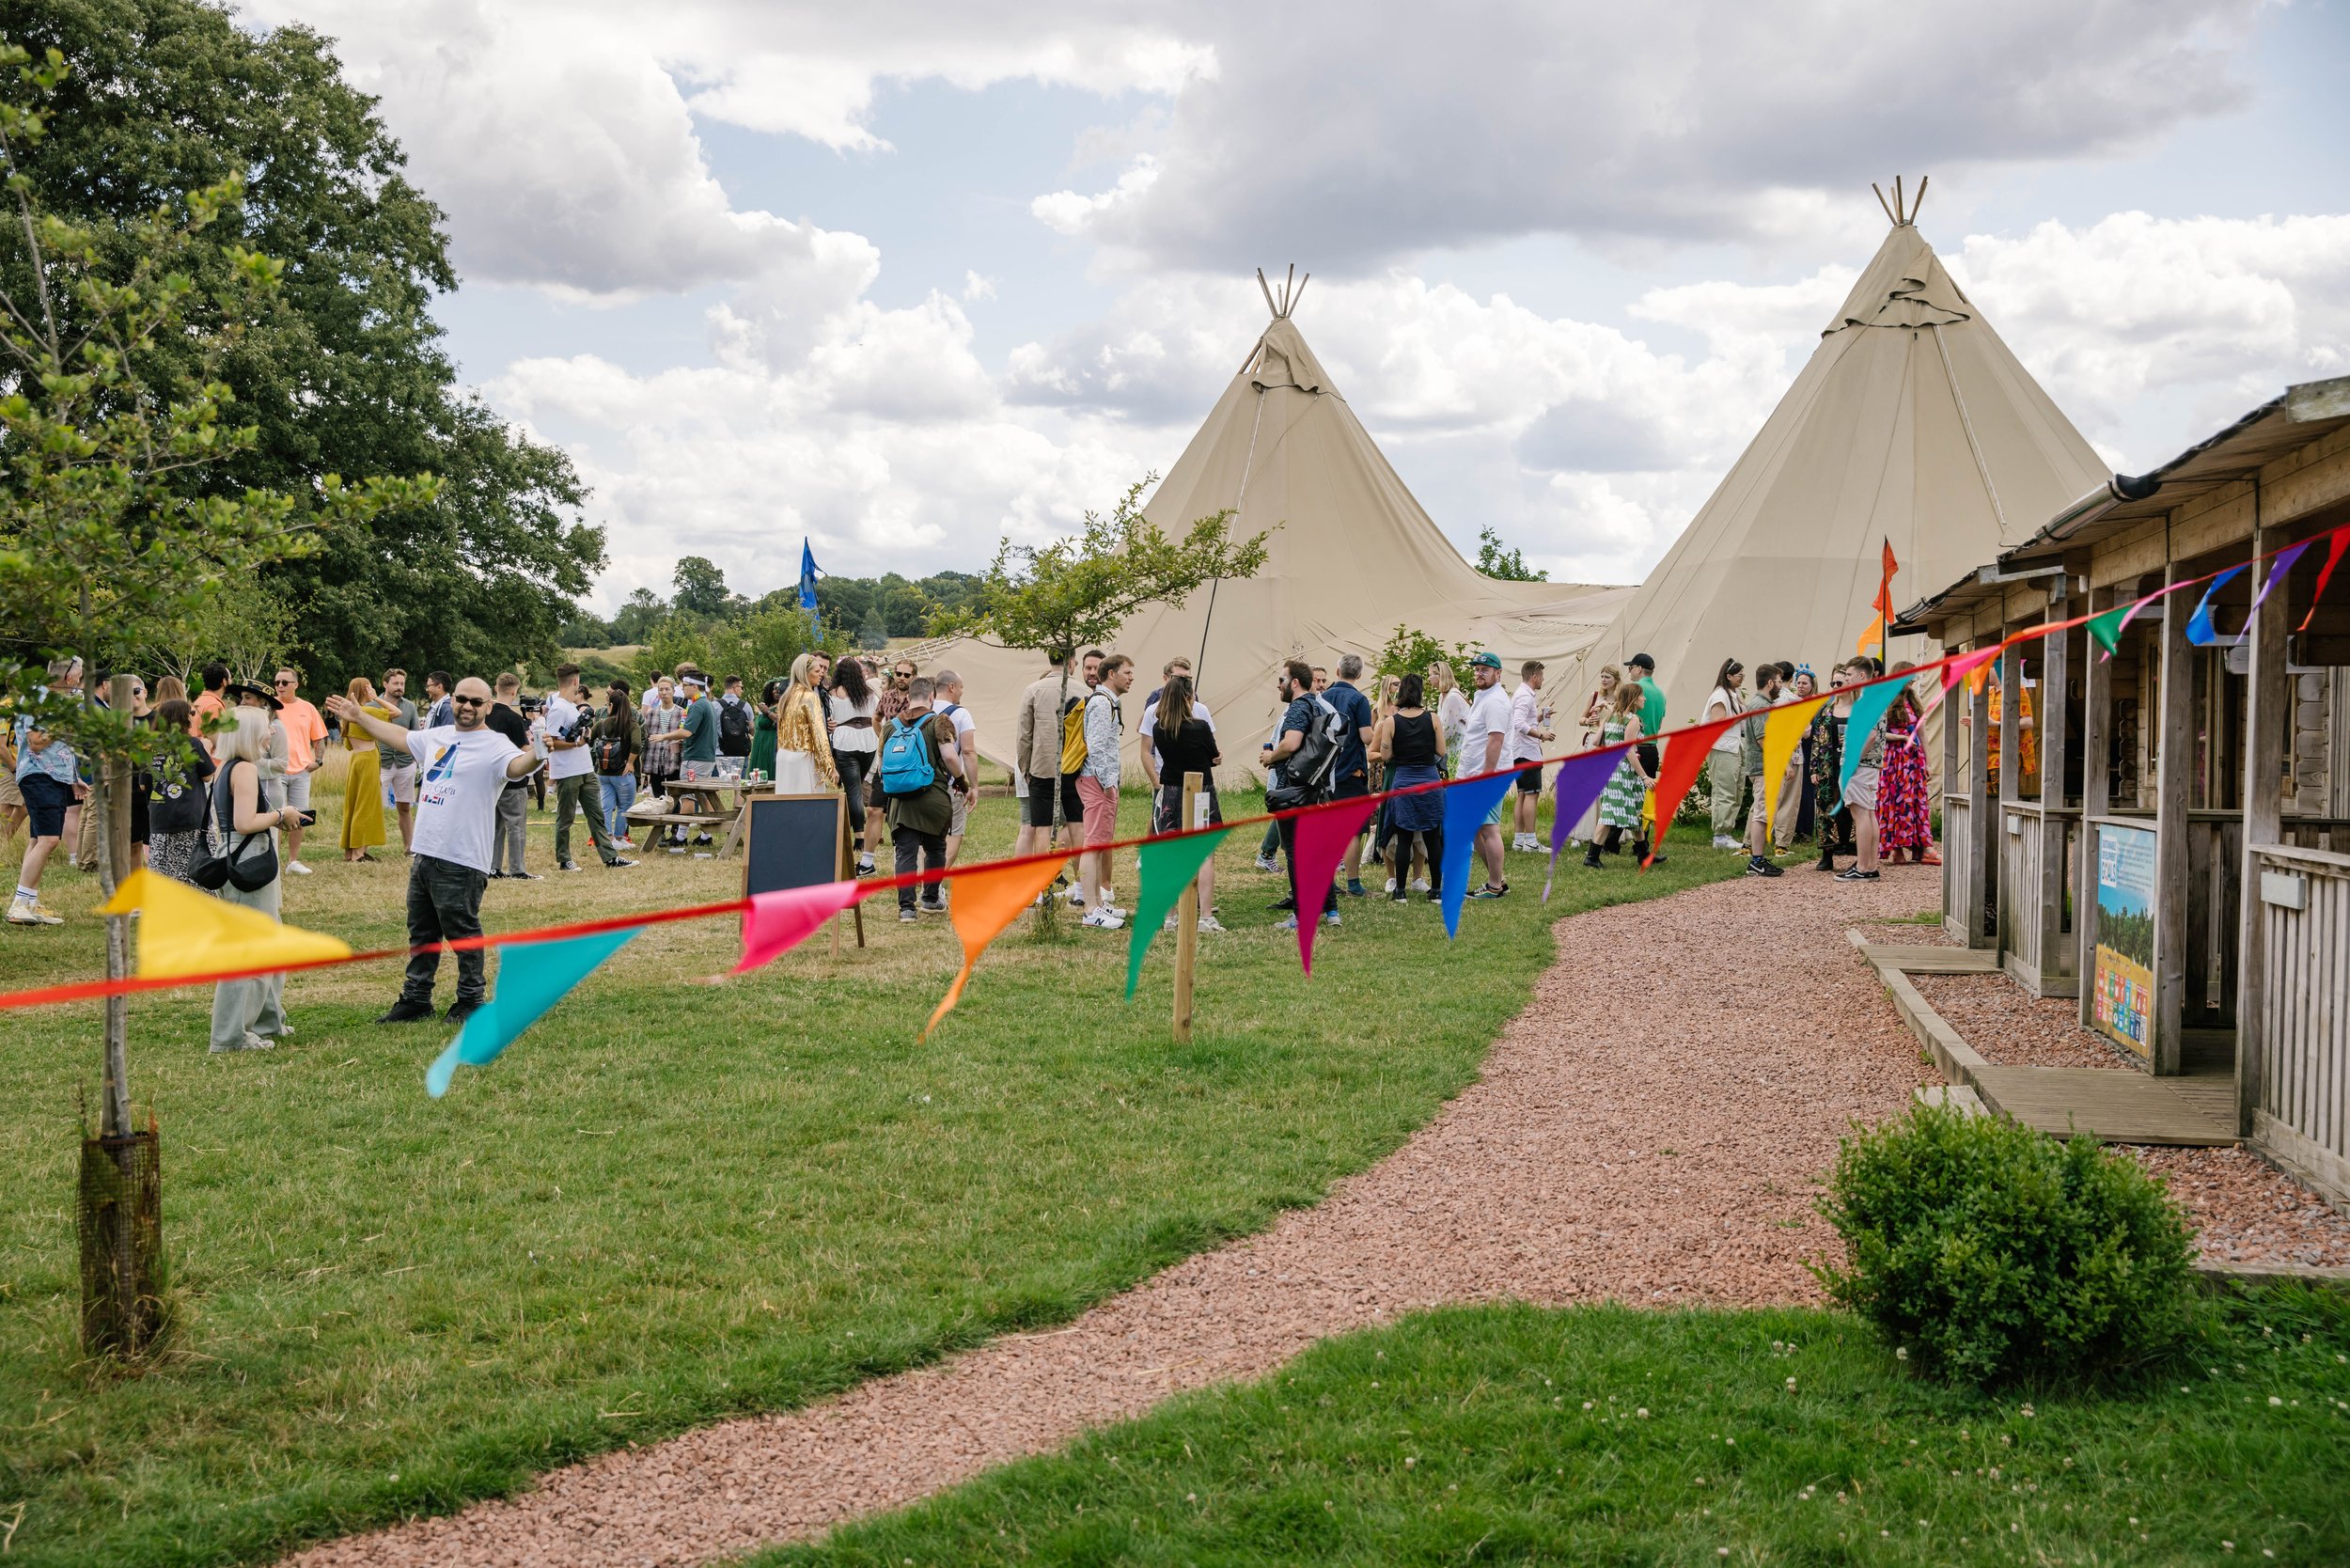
[{"x": 1187, "y": 918}]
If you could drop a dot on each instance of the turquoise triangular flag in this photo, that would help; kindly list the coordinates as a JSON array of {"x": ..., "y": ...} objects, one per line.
[
  {"x": 532, "y": 978},
  {"x": 1868, "y": 710}
]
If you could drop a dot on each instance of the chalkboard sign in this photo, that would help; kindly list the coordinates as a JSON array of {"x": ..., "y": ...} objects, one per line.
[{"x": 796, "y": 842}]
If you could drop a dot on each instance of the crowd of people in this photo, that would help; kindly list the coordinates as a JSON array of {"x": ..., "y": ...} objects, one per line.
[{"x": 456, "y": 769}]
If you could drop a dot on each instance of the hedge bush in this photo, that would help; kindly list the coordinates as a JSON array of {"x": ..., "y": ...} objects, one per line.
[{"x": 1992, "y": 1253}]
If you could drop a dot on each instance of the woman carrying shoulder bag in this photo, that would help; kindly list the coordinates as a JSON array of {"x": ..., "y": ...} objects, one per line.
[{"x": 248, "y": 1015}]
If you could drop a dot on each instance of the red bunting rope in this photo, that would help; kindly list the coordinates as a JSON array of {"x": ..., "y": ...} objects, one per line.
[{"x": 82, "y": 991}]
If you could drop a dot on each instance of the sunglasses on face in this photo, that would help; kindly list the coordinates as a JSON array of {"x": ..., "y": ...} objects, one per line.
[
  {"x": 471, "y": 701},
  {"x": 285, "y": 683}
]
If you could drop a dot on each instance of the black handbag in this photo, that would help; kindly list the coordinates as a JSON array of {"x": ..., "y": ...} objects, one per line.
[{"x": 211, "y": 870}]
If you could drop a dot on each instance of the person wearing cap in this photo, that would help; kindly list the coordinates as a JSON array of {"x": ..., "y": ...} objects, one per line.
[
  {"x": 1485, "y": 748},
  {"x": 305, "y": 737},
  {"x": 698, "y": 730},
  {"x": 1643, "y": 670}
]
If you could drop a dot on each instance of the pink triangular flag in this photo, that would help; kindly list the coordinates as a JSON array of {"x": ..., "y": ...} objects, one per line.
[
  {"x": 1321, "y": 842},
  {"x": 779, "y": 921}
]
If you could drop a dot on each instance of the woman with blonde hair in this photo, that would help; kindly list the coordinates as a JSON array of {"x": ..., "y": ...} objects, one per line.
[
  {"x": 1451, "y": 714},
  {"x": 1595, "y": 711},
  {"x": 362, "y": 783},
  {"x": 1627, "y": 788},
  {"x": 248, "y": 1014},
  {"x": 804, "y": 762}
]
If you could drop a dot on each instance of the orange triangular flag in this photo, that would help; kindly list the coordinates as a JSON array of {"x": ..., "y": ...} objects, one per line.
[
  {"x": 1872, "y": 636},
  {"x": 183, "y": 931},
  {"x": 985, "y": 902}
]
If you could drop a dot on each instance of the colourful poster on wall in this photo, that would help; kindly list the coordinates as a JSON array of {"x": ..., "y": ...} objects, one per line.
[{"x": 2123, "y": 981}]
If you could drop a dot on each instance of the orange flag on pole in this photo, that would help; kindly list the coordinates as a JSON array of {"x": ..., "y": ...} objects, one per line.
[
  {"x": 985, "y": 902},
  {"x": 1884, "y": 601}
]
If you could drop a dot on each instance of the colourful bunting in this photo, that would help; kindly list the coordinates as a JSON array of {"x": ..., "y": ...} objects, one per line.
[
  {"x": 1868, "y": 710},
  {"x": 2340, "y": 537},
  {"x": 1872, "y": 636},
  {"x": 1168, "y": 867},
  {"x": 1466, "y": 805},
  {"x": 2283, "y": 562},
  {"x": 532, "y": 978},
  {"x": 1678, "y": 770},
  {"x": 2106, "y": 627},
  {"x": 184, "y": 931},
  {"x": 1582, "y": 779},
  {"x": 1782, "y": 733},
  {"x": 779, "y": 921},
  {"x": 986, "y": 901},
  {"x": 1315, "y": 849},
  {"x": 2200, "y": 629},
  {"x": 1968, "y": 667}
]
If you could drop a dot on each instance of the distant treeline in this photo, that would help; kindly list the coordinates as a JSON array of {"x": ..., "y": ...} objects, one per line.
[{"x": 863, "y": 612}]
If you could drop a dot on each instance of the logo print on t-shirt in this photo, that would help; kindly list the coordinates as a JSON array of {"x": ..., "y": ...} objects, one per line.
[{"x": 443, "y": 764}]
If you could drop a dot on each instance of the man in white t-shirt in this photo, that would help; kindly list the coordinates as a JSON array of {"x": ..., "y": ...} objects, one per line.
[
  {"x": 1530, "y": 733},
  {"x": 949, "y": 689},
  {"x": 577, "y": 787},
  {"x": 462, "y": 769},
  {"x": 1485, "y": 748}
]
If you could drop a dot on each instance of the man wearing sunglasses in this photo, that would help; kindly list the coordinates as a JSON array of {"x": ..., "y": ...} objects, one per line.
[
  {"x": 463, "y": 768},
  {"x": 306, "y": 740}
]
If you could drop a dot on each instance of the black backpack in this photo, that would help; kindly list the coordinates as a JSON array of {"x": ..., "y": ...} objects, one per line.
[
  {"x": 1303, "y": 777},
  {"x": 734, "y": 728}
]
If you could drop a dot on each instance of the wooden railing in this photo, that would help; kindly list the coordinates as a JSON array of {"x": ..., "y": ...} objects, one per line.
[
  {"x": 2301, "y": 1099},
  {"x": 1958, "y": 864},
  {"x": 2037, "y": 848}
]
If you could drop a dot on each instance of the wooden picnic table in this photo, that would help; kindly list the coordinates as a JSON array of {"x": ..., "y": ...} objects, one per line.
[{"x": 704, "y": 804}]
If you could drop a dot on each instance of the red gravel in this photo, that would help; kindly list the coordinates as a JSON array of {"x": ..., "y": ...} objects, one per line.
[
  {"x": 1666, "y": 1152},
  {"x": 2246, "y": 1211},
  {"x": 2011, "y": 1028}
]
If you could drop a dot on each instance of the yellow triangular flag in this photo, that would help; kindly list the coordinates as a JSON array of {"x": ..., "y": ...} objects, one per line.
[
  {"x": 184, "y": 931},
  {"x": 1781, "y": 734}
]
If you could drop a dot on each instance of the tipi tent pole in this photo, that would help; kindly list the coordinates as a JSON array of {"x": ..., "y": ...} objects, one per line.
[
  {"x": 1887, "y": 205},
  {"x": 1267, "y": 289},
  {"x": 1966, "y": 424},
  {"x": 1199, "y": 669}
]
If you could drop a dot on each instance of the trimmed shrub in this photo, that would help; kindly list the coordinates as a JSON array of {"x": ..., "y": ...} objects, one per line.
[{"x": 1990, "y": 1252}]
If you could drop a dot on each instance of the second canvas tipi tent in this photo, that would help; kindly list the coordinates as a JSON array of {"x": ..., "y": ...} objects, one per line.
[
  {"x": 1351, "y": 555},
  {"x": 1912, "y": 424}
]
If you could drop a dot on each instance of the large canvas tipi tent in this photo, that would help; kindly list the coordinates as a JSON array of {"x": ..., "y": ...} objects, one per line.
[
  {"x": 1351, "y": 556},
  {"x": 1912, "y": 423}
]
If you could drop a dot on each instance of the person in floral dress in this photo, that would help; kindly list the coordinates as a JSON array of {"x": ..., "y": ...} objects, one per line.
[
  {"x": 1627, "y": 790},
  {"x": 1904, "y": 819}
]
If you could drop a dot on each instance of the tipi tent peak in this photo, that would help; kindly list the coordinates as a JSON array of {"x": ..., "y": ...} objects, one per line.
[
  {"x": 1902, "y": 216},
  {"x": 1292, "y": 288}
]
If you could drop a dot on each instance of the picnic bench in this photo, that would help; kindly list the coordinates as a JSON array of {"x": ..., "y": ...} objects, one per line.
[{"x": 704, "y": 804}]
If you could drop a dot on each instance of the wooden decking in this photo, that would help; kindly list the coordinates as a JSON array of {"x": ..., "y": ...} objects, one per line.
[{"x": 2112, "y": 1105}]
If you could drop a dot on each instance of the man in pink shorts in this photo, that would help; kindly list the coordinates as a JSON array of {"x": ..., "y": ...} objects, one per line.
[{"x": 1097, "y": 787}]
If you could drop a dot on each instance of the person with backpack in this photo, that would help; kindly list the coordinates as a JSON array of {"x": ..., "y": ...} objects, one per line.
[
  {"x": 1299, "y": 762},
  {"x": 918, "y": 757},
  {"x": 1103, "y": 730},
  {"x": 617, "y": 740},
  {"x": 176, "y": 816},
  {"x": 735, "y": 720}
]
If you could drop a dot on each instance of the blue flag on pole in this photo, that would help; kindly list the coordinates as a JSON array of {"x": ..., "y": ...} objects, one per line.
[{"x": 807, "y": 582}]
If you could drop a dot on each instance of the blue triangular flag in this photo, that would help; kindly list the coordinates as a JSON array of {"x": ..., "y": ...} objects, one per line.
[
  {"x": 1868, "y": 710},
  {"x": 2200, "y": 629},
  {"x": 1465, "y": 808},
  {"x": 532, "y": 978}
]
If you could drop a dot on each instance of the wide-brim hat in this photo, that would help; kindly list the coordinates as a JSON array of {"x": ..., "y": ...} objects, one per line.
[{"x": 246, "y": 688}]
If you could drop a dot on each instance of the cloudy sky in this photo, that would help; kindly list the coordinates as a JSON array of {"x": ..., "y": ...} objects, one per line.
[{"x": 910, "y": 277}]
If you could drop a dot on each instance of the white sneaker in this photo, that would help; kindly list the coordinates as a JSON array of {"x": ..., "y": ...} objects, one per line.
[
  {"x": 1266, "y": 863},
  {"x": 1722, "y": 840},
  {"x": 1419, "y": 885},
  {"x": 297, "y": 868},
  {"x": 1169, "y": 924},
  {"x": 1390, "y": 886},
  {"x": 1210, "y": 923},
  {"x": 28, "y": 912},
  {"x": 1103, "y": 920}
]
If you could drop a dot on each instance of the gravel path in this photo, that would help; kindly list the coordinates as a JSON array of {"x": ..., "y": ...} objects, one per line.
[{"x": 1665, "y": 1155}]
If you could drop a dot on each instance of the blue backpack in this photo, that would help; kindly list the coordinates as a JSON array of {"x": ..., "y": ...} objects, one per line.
[{"x": 905, "y": 760}]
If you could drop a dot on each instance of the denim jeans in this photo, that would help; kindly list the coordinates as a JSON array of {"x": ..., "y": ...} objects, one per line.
[
  {"x": 572, "y": 796},
  {"x": 444, "y": 906},
  {"x": 619, "y": 793}
]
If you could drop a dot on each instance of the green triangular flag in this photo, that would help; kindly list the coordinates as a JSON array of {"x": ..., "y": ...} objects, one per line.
[
  {"x": 1167, "y": 866},
  {"x": 2106, "y": 627}
]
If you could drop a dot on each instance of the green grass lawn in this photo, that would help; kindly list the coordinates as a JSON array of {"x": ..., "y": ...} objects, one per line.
[
  {"x": 674, "y": 1201},
  {"x": 1610, "y": 1436}
]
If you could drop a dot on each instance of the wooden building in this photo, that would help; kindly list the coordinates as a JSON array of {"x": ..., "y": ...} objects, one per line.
[{"x": 2188, "y": 796}]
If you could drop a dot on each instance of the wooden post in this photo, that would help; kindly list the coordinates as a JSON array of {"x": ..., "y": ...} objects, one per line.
[
  {"x": 2268, "y": 696},
  {"x": 1981, "y": 827},
  {"x": 2005, "y": 902},
  {"x": 2055, "y": 682},
  {"x": 114, "y": 849},
  {"x": 2174, "y": 764},
  {"x": 1953, "y": 866},
  {"x": 2096, "y": 800},
  {"x": 1186, "y": 920}
]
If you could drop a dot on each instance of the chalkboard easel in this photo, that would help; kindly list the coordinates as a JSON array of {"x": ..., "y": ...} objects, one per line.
[{"x": 798, "y": 842}]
